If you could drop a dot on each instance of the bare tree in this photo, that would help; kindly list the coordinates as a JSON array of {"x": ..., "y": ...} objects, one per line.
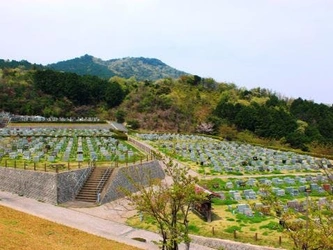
[{"x": 168, "y": 204}]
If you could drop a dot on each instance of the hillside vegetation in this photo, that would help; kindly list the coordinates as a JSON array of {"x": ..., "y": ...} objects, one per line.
[{"x": 188, "y": 104}]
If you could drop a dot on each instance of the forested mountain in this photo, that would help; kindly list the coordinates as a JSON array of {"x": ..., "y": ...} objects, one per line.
[
  {"x": 22, "y": 64},
  {"x": 189, "y": 104},
  {"x": 139, "y": 67}
]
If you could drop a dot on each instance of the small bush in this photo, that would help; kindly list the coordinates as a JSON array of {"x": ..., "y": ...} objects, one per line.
[
  {"x": 193, "y": 228},
  {"x": 232, "y": 229},
  {"x": 272, "y": 226}
]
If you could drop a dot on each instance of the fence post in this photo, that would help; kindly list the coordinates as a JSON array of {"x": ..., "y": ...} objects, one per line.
[
  {"x": 213, "y": 231},
  {"x": 5, "y": 163},
  {"x": 35, "y": 166},
  {"x": 235, "y": 234},
  {"x": 45, "y": 167},
  {"x": 24, "y": 166},
  {"x": 68, "y": 167},
  {"x": 280, "y": 240},
  {"x": 256, "y": 237},
  {"x": 14, "y": 163}
]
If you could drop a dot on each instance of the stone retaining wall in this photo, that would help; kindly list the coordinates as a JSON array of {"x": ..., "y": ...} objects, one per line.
[
  {"x": 70, "y": 183},
  {"x": 32, "y": 184},
  {"x": 226, "y": 244},
  {"x": 123, "y": 179},
  {"x": 43, "y": 186}
]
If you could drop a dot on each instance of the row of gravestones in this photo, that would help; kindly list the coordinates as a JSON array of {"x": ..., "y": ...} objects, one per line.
[
  {"x": 225, "y": 156},
  {"x": 318, "y": 184},
  {"x": 54, "y": 132},
  {"x": 35, "y": 148},
  {"x": 26, "y": 118},
  {"x": 293, "y": 204}
]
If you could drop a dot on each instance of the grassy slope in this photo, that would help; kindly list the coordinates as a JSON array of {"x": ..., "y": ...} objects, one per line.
[{"x": 21, "y": 231}]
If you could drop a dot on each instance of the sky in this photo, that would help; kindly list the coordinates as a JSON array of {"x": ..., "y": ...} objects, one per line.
[{"x": 285, "y": 46}]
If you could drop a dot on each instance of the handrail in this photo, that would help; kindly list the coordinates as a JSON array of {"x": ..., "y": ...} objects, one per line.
[
  {"x": 101, "y": 183},
  {"x": 84, "y": 175}
]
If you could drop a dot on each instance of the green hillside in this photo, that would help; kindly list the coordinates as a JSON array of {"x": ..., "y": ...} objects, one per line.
[
  {"x": 141, "y": 68},
  {"x": 188, "y": 104}
]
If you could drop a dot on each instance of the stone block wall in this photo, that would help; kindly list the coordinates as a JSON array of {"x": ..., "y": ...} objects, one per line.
[
  {"x": 70, "y": 183},
  {"x": 62, "y": 187},
  {"x": 123, "y": 179},
  {"x": 41, "y": 186},
  {"x": 227, "y": 244}
]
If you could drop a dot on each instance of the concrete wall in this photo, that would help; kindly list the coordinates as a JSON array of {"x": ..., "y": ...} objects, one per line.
[
  {"x": 43, "y": 186},
  {"x": 123, "y": 179}
]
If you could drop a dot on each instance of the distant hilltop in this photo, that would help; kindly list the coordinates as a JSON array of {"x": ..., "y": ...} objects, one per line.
[{"x": 139, "y": 67}]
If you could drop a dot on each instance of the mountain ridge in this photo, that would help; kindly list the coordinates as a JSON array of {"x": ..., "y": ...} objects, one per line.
[{"x": 141, "y": 68}]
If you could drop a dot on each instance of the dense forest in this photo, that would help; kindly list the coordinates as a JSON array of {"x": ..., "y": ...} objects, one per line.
[{"x": 188, "y": 104}]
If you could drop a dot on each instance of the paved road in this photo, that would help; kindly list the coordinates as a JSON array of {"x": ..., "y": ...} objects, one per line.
[{"x": 82, "y": 220}]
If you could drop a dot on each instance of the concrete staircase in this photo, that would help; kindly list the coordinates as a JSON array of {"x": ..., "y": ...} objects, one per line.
[{"x": 94, "y": 184}]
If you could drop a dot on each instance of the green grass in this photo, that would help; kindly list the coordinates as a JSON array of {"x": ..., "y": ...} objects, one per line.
[
  {"x": 256, "y": 218},
  {"x": 220, "y": 202}
]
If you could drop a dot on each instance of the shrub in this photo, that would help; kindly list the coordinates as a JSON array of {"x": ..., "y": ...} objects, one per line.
[
  {"x": 272, "y": 226},
  {"x": 193, "y": 228},
  {"x": 232, "y": 229}
]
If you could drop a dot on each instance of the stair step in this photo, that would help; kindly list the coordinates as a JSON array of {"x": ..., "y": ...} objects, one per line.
[
  {"x": 87, "y": 193},
  {"x": 87, "y": 197},
  {"x": 89, "y": 190}
]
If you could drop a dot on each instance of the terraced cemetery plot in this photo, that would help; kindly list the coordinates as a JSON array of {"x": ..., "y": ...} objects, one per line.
[
  {"x": 40, "y": 146},
  {"x": 213, "y": 157},
  {"x": 291, "y": 190},
  {"x": 234, "y": 174}
]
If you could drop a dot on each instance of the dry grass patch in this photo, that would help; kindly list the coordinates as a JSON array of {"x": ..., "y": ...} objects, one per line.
[{"x": 22, "y": 231}]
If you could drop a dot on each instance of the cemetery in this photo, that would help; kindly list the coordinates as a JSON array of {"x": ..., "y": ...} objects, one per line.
[
  {"x": 232, "y": 173},
  {"x": 41, "y": 119},
  {"x": 209, "y": 156},
  {"x": 50, "y": 149},
  {"x": 237, "y": 172}
]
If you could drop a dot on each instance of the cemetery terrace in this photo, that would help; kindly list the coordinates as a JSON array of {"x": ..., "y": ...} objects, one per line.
[
  {"x": 59, "y": 147},
  {"x": 214, "y": 157}
]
